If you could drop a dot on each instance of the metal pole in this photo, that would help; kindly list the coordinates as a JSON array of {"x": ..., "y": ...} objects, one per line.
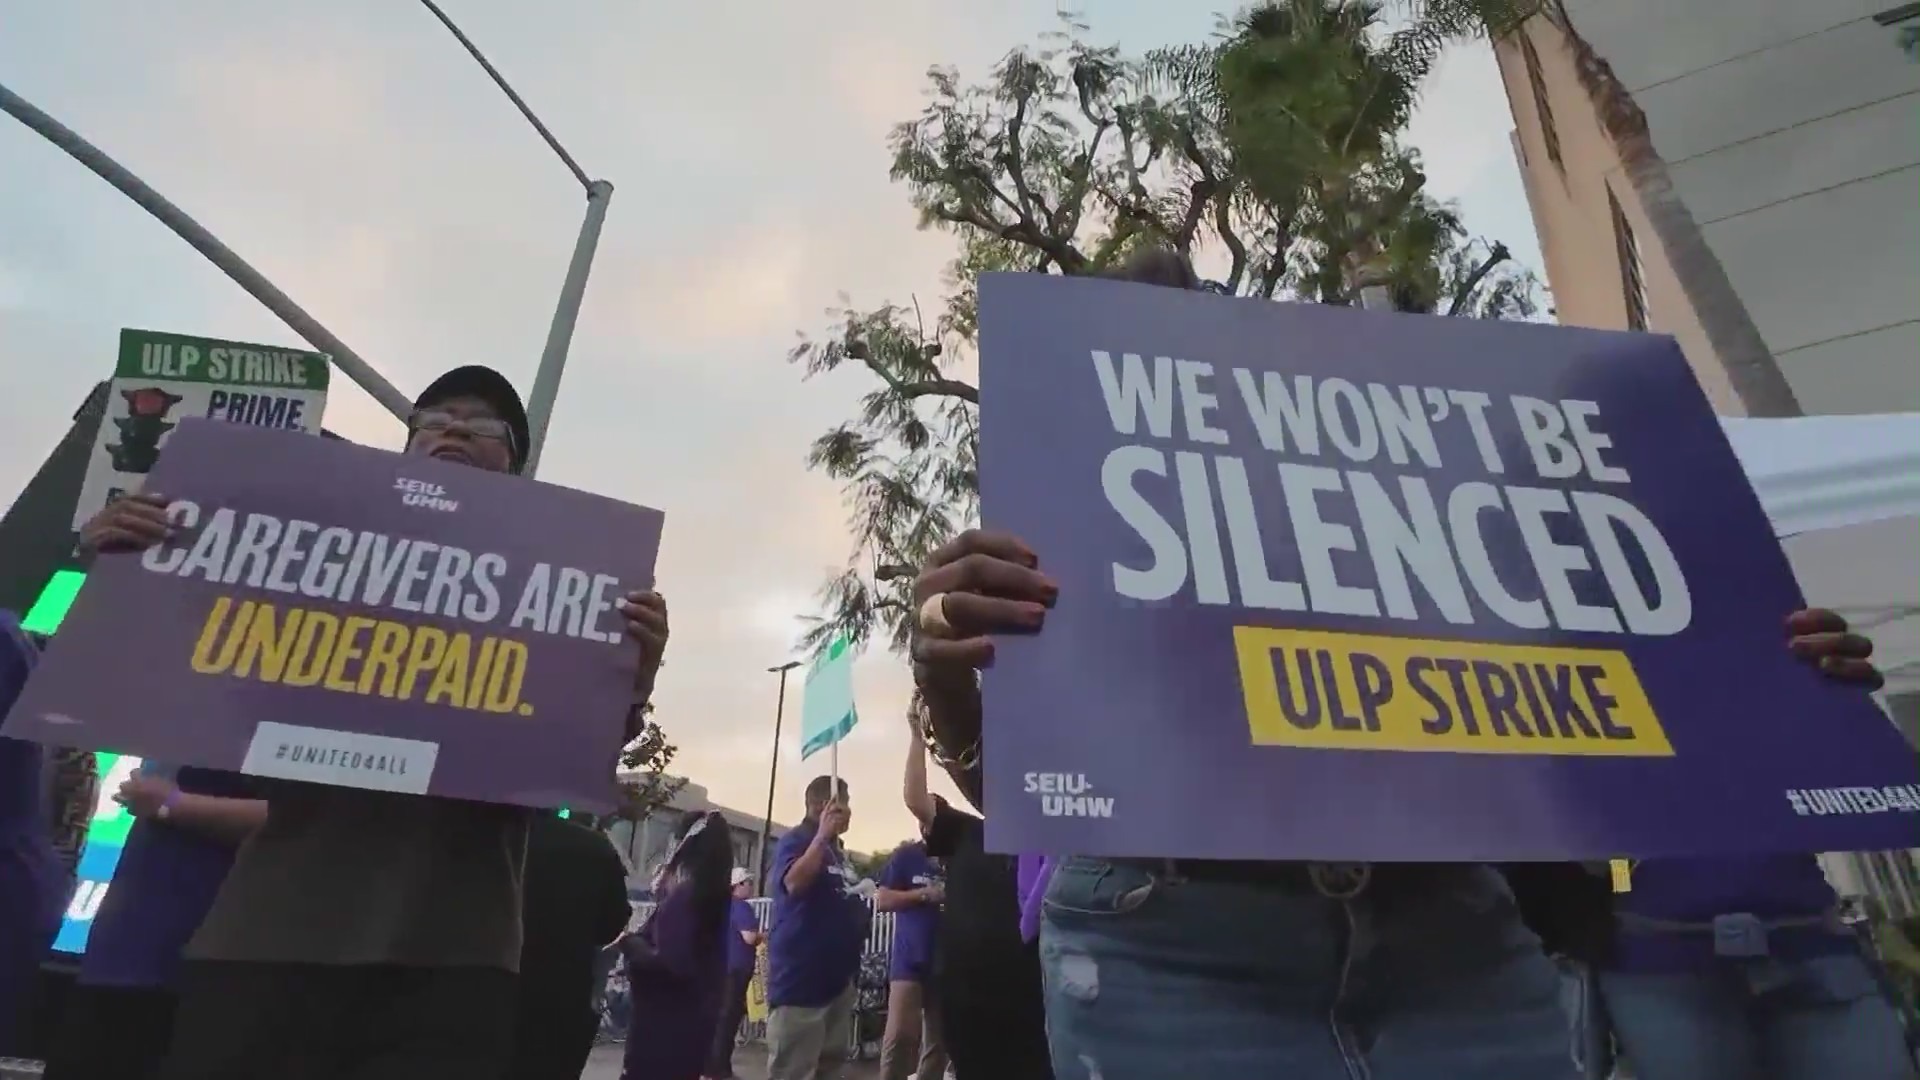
[
  {"x": 216, "y": 252},
  {"x": 518, "y": 102},
  {"x": 773, "y": 773},
  {"x": 553, "y": 359}
]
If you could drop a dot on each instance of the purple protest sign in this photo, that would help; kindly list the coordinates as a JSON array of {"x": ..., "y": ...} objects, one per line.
[
  {"x": 343, "y": 615},
  {"x": 1353, "y": 586}
]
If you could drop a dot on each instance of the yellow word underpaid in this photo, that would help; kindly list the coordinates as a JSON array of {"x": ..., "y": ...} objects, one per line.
[
  {"x": 359, "y": 654},
  {"x": 1366, "y": 692}
]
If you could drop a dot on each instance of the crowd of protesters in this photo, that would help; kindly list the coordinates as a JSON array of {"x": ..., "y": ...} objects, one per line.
[{"x": 268, "y": 930}]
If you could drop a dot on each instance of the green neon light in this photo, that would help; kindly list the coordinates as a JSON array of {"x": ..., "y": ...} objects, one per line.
[
  {"x": 55, "y": 599},
  {"x": 111, "y": 821}
]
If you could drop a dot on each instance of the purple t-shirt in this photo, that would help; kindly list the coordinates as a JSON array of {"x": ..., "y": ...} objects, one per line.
[
  {"x": 165, "y": 882},
  {"x": 814, "y": 946},
  {"x": 915, "y": 928},
  {"x": 1789, "y": 888},
  {"x": 740, "y": 921},
  {"x": 676, "y": 1001},
  {"x": 1031, "y": 873}
]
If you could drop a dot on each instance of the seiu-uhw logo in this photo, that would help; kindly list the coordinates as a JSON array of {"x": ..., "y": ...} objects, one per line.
[
  {"x": 1066, "y": 794},
  {"x": 424, "y": 494}
]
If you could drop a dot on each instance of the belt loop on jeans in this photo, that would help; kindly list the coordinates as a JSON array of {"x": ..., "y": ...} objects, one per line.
[{"x": 1340, "y": 881}]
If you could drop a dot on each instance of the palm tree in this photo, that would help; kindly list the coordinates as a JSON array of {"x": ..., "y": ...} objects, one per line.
[
  {"x": 1751, "y": 368},
  {"x": 1310, "y": 97}
]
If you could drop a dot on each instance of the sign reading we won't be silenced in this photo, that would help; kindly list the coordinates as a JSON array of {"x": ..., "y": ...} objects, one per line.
[
  {"x": 1352, "y": 586},
  {"x": 1429, "y": 554}
]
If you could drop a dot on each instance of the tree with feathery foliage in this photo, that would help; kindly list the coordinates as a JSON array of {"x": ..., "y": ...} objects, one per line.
[{"x": 1274, "y": 150}]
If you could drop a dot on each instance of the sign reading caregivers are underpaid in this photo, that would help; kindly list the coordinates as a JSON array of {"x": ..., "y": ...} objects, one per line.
[
  {"x": 161, "y": 379},
  {"x": 1349, "y": 586},
  {"x": 344, "y": 615}
]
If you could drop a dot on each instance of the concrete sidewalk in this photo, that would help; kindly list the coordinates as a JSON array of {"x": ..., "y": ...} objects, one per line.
[{"x": 749, "y": 1063}]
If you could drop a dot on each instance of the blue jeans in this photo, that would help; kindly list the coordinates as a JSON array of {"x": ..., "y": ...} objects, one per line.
[
  {"x": 1820, "y": 1019},
  {"x": 1151, "y": 975},
  {"x": 1592, "y": 1034}
]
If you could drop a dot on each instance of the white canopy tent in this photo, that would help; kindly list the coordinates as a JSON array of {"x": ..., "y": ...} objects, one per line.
[{"x": 1843, "y": 493}]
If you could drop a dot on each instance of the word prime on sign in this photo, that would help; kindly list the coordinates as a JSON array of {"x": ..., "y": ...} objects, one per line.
[
  {"x": 259, "y": 410},
  {"x": 1352, "y": 488}
]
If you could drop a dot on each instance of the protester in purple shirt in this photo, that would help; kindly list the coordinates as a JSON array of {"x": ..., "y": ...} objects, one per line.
[
  {"x": 118, "y": 1020},
  {"x": 815, "y": 944},
  {"x": 743, "y": 949},
  {"x": 1730, "y": 968},
  {"x": 1716, "y": 968},
  {"x": 1740, "y": 967},
  {"x": 911, "y": 888},
  {"x": 677, "y": 962},
  {"x": 33, "y": 886}
]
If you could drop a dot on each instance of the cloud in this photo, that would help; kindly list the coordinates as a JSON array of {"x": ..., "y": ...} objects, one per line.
[
  {"x": 744, "y": 285},
  {"x": 317, "y": 106}
]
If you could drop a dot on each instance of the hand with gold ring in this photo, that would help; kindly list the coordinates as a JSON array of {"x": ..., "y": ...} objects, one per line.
[{"x": 978, "y": 585}]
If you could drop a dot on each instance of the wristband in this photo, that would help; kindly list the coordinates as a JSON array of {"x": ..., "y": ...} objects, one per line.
[{"x": 165, "y": 809}]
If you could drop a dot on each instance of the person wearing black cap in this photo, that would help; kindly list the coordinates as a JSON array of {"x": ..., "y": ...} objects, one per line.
[{"x": 362, "y": 935}]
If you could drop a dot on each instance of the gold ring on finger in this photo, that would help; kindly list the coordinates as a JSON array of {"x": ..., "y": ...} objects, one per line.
[{"x": 933, "y": 617}]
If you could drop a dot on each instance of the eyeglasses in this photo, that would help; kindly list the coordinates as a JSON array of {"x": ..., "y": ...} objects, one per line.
[{"x": 485, "y": 427}]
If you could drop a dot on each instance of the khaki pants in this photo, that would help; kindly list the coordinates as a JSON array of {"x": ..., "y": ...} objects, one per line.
[
  {"x": 810, "y": 1044},
  {"x": 912, "y": 1046}
]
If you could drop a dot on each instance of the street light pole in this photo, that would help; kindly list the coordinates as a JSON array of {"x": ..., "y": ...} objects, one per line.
[
  {"x": 773, "y": 773},
  {"x": 216, "y": 252},
  {"x": 553, "y": 359}
]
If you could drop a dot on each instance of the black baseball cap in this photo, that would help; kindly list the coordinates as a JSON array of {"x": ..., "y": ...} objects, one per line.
[{"x": 491, "y": 387}]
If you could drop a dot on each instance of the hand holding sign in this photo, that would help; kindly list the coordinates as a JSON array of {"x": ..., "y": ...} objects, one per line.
[
  {"x": 1823, "y": 637},
  {"x": 646, "y": 613},
  {"x": 134, "y": 522},
  {"x": 144, "y": 795},
  {"x": 977, "y": 584},
  {"x": 834, "y": 820}
]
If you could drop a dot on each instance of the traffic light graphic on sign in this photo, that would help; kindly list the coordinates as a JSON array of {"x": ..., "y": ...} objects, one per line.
[{"x": 142, "y": 428}]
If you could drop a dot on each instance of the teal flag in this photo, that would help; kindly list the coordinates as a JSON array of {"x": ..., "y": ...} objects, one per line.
[{"x": 826, "y": 708}]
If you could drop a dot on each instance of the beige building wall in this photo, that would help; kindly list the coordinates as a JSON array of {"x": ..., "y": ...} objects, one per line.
[
  {"x": 1573, "y": 216},
  {"x": 1757, "y": 159}
]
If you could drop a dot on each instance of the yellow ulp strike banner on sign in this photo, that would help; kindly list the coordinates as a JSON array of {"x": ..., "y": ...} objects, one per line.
[
  {"x": 757, "y": 988},
  {"x": 1373, "y": 692}
]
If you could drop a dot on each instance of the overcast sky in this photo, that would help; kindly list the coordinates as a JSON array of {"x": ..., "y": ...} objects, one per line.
[{"x": 353, "y": 153}]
